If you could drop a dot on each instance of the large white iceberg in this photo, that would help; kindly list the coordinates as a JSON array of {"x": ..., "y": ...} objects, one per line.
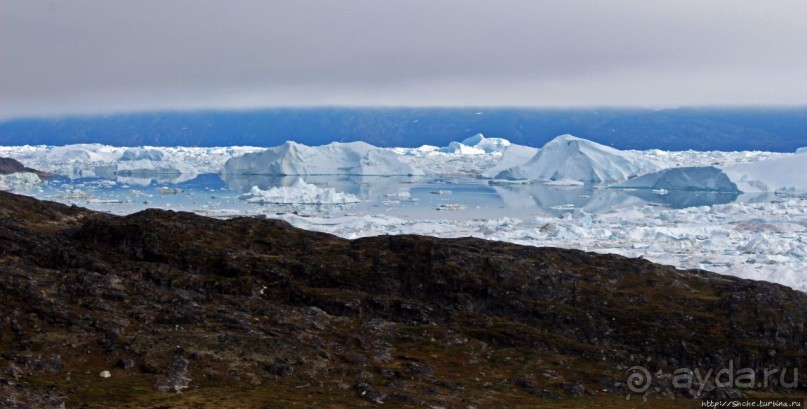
[
  {"x": 703, "y": 178},
  {"x": 88, "y": 160},
  {"x": 570, "y": 157},
  {"x": 771, "y": 175},
  {"x": 83, "y": 153},
  {"x": 514, "y": 155},
  {"x": 299, "y": 193},
  {"x": 150, "y": 161},
  {"x": 291, "y": 158},
  {"x": 780, "y": 174}
]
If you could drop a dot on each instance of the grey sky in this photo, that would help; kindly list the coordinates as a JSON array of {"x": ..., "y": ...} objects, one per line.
[{"x": 84, "y": 56}]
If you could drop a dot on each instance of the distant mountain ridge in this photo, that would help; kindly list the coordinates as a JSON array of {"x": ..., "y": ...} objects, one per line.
[{"x": 782, "y": 130}]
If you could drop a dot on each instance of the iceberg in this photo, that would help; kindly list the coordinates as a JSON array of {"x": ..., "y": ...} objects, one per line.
[
  {"x": 149, "y": 161},
  {"x": 476, "y": 145},
  {"x": 299, "y": 193},
  {"x": 512, "y": 156},
  {"x": 779, "y": 174},
  {"x": 83, "y": 153},
  {"x": 687, "y": 179},
  {"x": 488, "y": 145},
  {"x": 88, "y": 160},
  {"x": 291, "y": 158},
  {"x": 459, "y": 148},
  {"x": 468, "y": 157},
  {"x": 20, "y": 181},
  {"x": 770, "y": 175},
  {"x": 570, "y": 157}
]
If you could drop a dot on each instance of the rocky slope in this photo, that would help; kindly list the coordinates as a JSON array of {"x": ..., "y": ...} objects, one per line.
[
  {"x": 255, "y": 313},
  {"x": 9, "y": 166}
]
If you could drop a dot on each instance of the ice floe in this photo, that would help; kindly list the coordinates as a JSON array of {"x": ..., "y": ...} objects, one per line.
[
  {"x": 19, "y": 182},
  {"x": 299, "y": 193}
]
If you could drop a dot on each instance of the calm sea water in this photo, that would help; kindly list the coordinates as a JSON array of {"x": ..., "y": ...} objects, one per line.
[{"x": 406, "y": 197}]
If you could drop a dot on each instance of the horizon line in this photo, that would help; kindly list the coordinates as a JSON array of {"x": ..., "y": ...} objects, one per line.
[{"x": 135, "y": 112}]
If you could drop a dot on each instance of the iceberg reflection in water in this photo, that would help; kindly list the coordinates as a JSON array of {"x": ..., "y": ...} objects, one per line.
[{"x": 411, "y": 196}]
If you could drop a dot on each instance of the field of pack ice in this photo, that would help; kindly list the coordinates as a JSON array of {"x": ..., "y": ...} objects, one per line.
[{"x": 569, "y": 193}]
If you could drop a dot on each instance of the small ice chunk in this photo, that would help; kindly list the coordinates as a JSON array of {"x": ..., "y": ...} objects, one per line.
[{"x": 299, "y": 193}]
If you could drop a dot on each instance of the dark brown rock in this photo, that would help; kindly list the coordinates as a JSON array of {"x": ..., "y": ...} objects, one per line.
[
  {"x": 433, "y": 321},
  {"x": 8, "y": 166}
]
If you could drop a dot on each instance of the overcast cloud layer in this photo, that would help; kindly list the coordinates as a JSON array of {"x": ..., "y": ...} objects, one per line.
[{"x": 87, "y": 56}]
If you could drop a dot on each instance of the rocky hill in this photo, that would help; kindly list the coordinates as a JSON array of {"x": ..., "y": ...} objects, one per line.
[
  {"x": 9, "y": 166},
  {"x": 173, "y": 310}
]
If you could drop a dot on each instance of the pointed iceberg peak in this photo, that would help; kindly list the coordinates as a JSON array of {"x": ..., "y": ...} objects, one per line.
[
  {"x": 567, "y": 137},
  {"x": 473, "y": 140},
  {"x": 568, "y": 157},
  {"x": 354, "y": 143},
  {"x": 571, "y": 140},
  {"x": 290, "y": 145},
  {"x": 567, "y": 144}
]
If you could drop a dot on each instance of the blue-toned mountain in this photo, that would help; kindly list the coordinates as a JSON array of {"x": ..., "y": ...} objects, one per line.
[{"x": 675, "y": 129}]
